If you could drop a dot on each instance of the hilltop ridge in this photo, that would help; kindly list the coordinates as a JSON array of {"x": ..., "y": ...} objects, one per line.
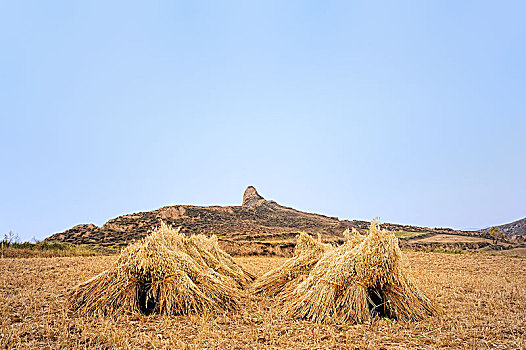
[
  {"x": 512, "y": 229},
  {"x": 256, "y": 215},
  {"x": 260, "y": 226}
]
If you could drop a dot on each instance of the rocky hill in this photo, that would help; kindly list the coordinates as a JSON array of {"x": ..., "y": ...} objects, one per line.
[
  {"x": 513, "y": 229},
  {"x": 256, "y": 216},
  {"x": 258, "y": 226}
]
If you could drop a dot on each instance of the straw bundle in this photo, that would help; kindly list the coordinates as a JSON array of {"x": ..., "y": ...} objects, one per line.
[
  {"x": 168, "y": 273},
  {"x": 356, "y": 281},
  {"x": 307, "y": 253}
]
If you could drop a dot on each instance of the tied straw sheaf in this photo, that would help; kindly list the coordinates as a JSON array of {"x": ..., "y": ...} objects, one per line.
[
  {"x": 170, "y": 273},
  {"x": 167, "y": 273},
  {"x": 364, "y": 277}
]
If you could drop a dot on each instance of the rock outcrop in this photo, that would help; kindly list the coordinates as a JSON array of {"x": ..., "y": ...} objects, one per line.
[{"x": 251, "y": 198}]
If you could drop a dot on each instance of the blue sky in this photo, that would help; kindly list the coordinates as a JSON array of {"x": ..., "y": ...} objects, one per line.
[{"x": 413, "y": 111}]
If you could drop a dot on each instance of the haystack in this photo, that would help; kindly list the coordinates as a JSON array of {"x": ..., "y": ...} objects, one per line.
[
  {"x": 168, "y": 273},
  {"x": 363, "y": 278},
  {"x": 307, "y": 253}
]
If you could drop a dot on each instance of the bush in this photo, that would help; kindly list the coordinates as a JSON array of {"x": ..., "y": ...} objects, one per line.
[{"x": 11, "y": 247}]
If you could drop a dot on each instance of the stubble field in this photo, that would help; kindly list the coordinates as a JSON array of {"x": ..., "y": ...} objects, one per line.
[{"x": 482, "y": 300}]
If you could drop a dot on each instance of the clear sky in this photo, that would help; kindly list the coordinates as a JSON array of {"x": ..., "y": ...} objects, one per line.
[{"x": 413, "y": 111}]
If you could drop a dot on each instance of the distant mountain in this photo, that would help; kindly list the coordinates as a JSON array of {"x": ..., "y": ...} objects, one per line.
[{"x": 515, "y": 228}]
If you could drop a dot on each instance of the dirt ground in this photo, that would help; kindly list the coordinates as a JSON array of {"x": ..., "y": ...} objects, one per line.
[{"x": 482, "y": 298}]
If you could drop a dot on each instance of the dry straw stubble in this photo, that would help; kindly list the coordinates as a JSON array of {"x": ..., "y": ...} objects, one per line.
[{"x": 307, "y": 253}]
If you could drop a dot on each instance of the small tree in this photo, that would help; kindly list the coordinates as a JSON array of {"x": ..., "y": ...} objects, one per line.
[
  {"x": 11, "y": 238},
  {"x": 496, "y": 234}
]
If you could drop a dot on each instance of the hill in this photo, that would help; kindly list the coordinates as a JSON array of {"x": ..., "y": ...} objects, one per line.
[
  {"x": 256, "y": 216},
  {"x": 260, "y": 226},
  {"x": 515, "y": 228}
]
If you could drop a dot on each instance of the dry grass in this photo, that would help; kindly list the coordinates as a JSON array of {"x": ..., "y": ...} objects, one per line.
[
  {"x": 49, "y": 250},
  {"x": 483, "y": 298}
]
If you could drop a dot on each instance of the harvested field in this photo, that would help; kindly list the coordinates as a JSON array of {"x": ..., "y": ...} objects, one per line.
[
  {"x": 453, "y": 239},
  {"x": 515, "y": 252},
  {"x": 408, "y": 234},
  {"x": 482, "y": 298}
]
